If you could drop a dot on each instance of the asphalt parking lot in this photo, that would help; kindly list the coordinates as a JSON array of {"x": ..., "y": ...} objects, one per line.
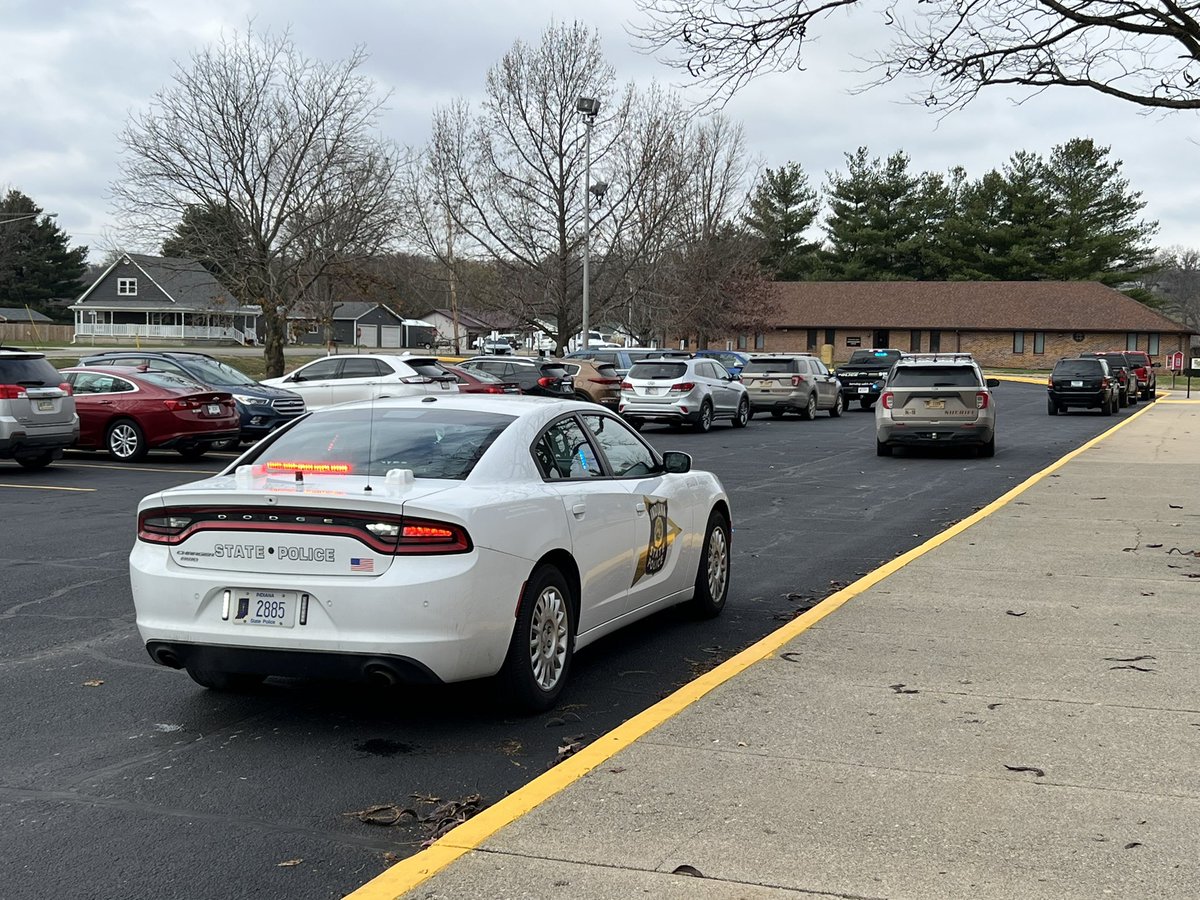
[{"x": 161, "y": 789}]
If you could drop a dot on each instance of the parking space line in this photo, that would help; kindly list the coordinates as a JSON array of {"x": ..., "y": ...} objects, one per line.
[
  {"x": 407, "y": 874},
  {"x": 120, "y": 467},
  {"x": 48, "y": 487}
]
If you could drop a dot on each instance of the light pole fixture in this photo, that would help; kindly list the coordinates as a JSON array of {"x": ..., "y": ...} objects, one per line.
[
  {"x": 590, "y": 107},
  {"x": 24, "y": 216}
]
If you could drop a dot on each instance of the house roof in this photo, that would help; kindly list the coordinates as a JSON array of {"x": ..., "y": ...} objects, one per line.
[
  {"x": 185, "y": 281},
  {"x": 21, "y": 314},
  {"x": 488, "y": 320},
  {"x": 965, "y": 305}
]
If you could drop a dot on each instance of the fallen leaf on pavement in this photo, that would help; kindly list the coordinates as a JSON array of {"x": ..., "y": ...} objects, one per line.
[
  {"x": 687, "y": 870},
  {"x": 1135, "y": 668},
  {"x": 289, "y": 862},
  {"x": 1037, "y": 773},
  {"x": 901, "y": 689},
  {"x": 1174, "y": 506},
  {"x": 1127, "y": 658},
  {"x": 994, "y": 705},
  {"x": 95, "y": 682},
  {"x": 1133, "y": 844},
  {"x": 1013, "y": 612}
]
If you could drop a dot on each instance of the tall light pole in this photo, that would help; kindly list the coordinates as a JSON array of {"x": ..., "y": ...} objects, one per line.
[
  {"x": 590, "y": 107},
  {"x": 21, "y": 218}
]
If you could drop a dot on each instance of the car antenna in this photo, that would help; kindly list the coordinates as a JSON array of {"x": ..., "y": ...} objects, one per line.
[{"x": 370, "y": 443}]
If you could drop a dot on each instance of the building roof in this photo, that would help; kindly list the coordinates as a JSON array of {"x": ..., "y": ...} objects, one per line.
[
  {"x": 21, "y": 314},
  {"x": 482, "y": 320},
  {"x": 965, "y": 305},
  {"x": 185, "y": 281}
]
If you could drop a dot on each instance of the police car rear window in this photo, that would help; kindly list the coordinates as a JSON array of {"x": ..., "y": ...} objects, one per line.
[
  {"x": 756, "y": 366},
  {"x": 933, "y": 376}
]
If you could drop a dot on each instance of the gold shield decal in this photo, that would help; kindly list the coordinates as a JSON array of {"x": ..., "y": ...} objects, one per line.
[{"x": 662, "y": 535}]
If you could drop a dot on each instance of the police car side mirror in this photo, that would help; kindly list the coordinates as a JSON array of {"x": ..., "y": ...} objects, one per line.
[
  {"x": 677, "y": 462},
  {"x": 993, "y": 382}
]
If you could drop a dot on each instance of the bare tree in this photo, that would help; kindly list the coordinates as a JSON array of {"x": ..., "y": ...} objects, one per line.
[
  {"x": 1177, "y": 282},
  {"x": 286, "y": 145},
  {"x": 1147, "y": 53},
  {"x": 511, "y": 178}
]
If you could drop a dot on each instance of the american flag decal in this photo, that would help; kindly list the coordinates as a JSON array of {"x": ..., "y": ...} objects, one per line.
[{"x": 362, "y": 564}]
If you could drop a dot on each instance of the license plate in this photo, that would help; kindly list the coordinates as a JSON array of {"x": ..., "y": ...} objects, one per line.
[
  {"x": 651, "y": 390},
  {"x": 45, "y": 406},
  {"x": 1076, "y": 384},
  {"x": 935, "y": 404},
  {"x": 864, "y": 390},
  {"x": 254, "y": 607},
  {"x": 213, "y": 409}
]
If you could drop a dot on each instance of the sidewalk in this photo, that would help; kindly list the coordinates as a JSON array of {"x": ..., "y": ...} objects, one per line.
[{"x": 1010, "y": 711}]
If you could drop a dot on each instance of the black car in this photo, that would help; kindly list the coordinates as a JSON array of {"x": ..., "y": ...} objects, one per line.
[
  {"x": 1123, "y": 369},
  {"x": 1082, "y": 382},
  {"x": 540, "y": 377},
  {"x": 261, "y": 408},
  {"x": 863, "y": 374}
]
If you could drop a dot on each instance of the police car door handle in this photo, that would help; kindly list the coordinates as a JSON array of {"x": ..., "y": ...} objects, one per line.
[
  {"x": 579, "y": 510},
  {"x": 639, "y": 508}
]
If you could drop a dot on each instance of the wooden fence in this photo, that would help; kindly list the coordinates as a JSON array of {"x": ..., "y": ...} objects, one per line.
[{"x": 39, "y": 334}]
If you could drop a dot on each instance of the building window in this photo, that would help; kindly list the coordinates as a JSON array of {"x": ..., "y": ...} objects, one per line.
[
  {"x": 760, "y": 341},
  {"x": 314, "y": 328},
  {"x": 743, "y": 341},
  {"x": 1131, "y": 341},
  {"x": 914, "y": 341},
  {"x": 1039, "y": 342},
  {"x": 126, "y": 287},
  {"x": 831, "y": 336},
  {"x": 1018, "y": 342},
  {"x": 935, "y": 341},
  {"x": 812, "y": 339},
  {"x": 1152, "y": 345}
]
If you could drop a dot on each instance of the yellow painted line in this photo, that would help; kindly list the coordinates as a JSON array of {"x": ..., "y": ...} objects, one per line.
[
  {"x": 407, "y": 874},
  {"x": 1021, "y": 379},
  {"x": 121, "y": 467},
  {"x": 48, "y": 487}
]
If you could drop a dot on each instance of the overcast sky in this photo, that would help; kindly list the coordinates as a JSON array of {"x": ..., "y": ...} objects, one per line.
[{"x": 74, "y": 69}]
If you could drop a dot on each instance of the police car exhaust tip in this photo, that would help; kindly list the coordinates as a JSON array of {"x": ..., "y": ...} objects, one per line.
[
  {"x": 165, "y": 656},
  {"x": 382, "y": 674}
]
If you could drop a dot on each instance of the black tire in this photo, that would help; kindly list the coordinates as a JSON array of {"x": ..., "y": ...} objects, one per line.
[
  {"x": 882, "y": 449},
  {"x": 777, "y": 414},
  {"x": 988, "y": 450},
  {"x": 1051, "y": 407},
  {"x": 712, "y": 575},
  {"x": 866, "y": 403},
  {"x": 125, "y": 441},
  {"x": 36, "y": 462},
  {"x": 230, "y": 445},
  {"x": 193, "y": 453},
  {"x": 837, "y": 407},
  {"x": 1153, "y": 392},
  {"x": 810, "y": 409},
  {"x": 742, "y": 417},
  {"x": 1123, "y": 399},
  {"x": 635, "y": 423},
  {"x": 1106, "y": 407},
  {"x": 545, "y": 628},
  {"x": 704, "y": 422},
  {"x": 225, "y": 682}
]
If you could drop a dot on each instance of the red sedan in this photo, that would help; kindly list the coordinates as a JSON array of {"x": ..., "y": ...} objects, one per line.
[
  {"x": 476, "y": 382},
  {"x": 130, "y": 411}
]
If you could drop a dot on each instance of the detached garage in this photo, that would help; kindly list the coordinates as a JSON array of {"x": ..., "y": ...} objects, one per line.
[{"x": 371, "y": 326}]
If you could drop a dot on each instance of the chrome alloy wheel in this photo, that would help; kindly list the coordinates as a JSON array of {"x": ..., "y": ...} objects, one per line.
[
  {"x": 123, "y": 440},
  {"x": 548, "y": 637},
  {"x": 718, "y": 563}
]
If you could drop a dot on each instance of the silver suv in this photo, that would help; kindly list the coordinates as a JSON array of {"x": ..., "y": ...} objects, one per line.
[
  {"x": 796, "y": 382},
  {"x": 37, "y": 411},
  {"x": 678, "y": 390},
  {"x": 936, "y": 399}
]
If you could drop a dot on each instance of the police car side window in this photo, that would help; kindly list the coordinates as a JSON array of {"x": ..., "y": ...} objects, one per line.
[
  {"x": 563, "y": 453},
  {"x": 627, "y": 455}
]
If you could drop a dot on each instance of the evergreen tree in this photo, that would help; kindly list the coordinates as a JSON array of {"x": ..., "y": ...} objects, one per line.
[
  {"x": 1096, "y": 232},
  {"x": 875, "y": 217},
  {"x": 212, "y": 236},
  {"x": 782, "y": 207},
  {"x": 36, "y": 263}
]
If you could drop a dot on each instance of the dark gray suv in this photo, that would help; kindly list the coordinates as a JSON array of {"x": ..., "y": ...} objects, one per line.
[{"x": 37, "y": 411}]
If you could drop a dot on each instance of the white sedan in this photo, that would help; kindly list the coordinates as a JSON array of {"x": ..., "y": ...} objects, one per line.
[
  {"x": 431, "y": 539},
  {"x": 363, "y": 376}
]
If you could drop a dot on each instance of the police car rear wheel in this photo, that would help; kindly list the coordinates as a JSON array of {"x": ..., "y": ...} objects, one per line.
[{"x": 542, "y": 644}]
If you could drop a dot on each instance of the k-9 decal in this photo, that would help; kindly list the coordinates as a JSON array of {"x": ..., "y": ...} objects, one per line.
[{"x": 662, "y": 536}]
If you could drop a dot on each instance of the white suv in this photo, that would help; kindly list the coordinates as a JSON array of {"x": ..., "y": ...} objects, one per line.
[
  {"x": 678, "y": 390},
  {"x": 342, "y": 379},
  {"x": 37, "y": 411},
  {"x": 939, "y": 399}
]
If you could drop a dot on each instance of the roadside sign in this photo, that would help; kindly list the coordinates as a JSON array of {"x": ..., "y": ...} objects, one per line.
[{"x": 1175, "y": 361}]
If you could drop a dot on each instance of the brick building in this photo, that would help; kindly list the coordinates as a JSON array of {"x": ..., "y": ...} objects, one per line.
[{"x": 1005, "y": 324}]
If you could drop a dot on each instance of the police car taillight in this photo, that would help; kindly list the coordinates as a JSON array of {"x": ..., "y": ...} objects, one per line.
[
  {"x": 886, "y": 399},
  {"x": 981, "y": 400},
  {"x": 157, "y": 528},
  {"x": 427, "y": 536}
]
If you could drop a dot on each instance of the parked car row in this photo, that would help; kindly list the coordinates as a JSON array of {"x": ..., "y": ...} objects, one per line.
[{"x": 1105, "y": 380}]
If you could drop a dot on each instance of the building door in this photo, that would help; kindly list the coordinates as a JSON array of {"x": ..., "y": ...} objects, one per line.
[
  {"x": 389, "y": 336},
  {"x": 879, "y": 340}
]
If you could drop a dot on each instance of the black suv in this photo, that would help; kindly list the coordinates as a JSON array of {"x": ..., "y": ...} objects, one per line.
[
  {"x": 863, "y": 374},
  {"x": 1085, "y": 382},
  {"x": 262, "y": 408},
  {"x": 538, "y": 376},
  {"x": 1123, "y": 369}
]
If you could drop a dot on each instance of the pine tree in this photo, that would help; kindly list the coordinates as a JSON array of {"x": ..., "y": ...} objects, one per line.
[
  {"x": 875, "y": 217},
  {"x": 36, "y": 263},
  {"x": 782, "y": 207}
]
